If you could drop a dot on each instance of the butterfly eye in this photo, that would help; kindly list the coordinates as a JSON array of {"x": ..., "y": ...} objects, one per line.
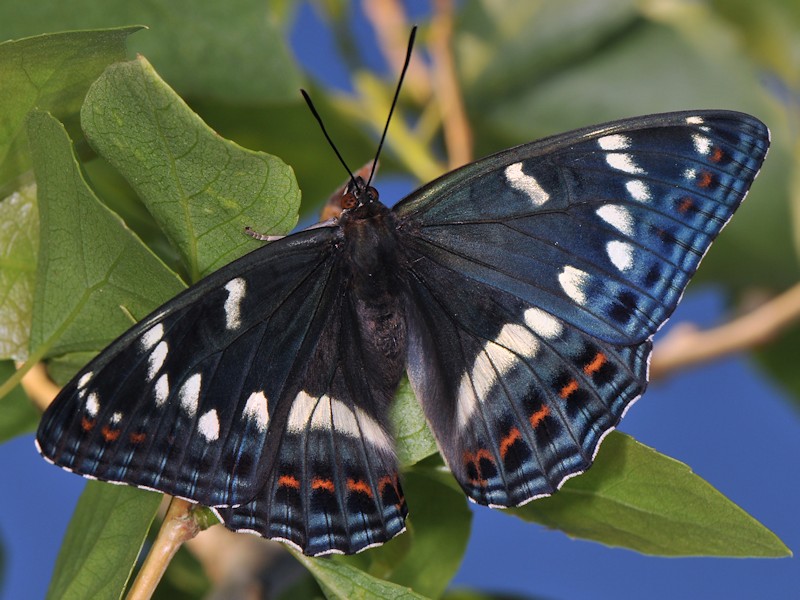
[
  {"x": 372, "y": 194},
  {"x": 349, "y": 200}
]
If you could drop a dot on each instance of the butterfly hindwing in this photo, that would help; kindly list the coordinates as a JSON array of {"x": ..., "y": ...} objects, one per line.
[
  {"x": 334, "y": 486},
  {"x": 538, "y": 276}
]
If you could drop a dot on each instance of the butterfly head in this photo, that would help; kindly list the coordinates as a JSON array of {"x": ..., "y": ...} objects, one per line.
[{"x": 357, "y": 194}]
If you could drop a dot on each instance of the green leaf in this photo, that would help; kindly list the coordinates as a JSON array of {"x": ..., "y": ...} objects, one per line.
[
  {"x": 19, "y": 414},
  {"x": 339, "y": 580},
  {"x": 202, "y": 189},
  {"x": 50, "y": 72},
  {"x": 413, "y": 439},
  {"x": 234, "y": 51},
  {"x": 93, "y": 273},
  {"x": 19, "y": 237},
  {"x": 427, "y": 556},
  {"x": 633, "y": 497},
  {"x": 102, "y": 541}
]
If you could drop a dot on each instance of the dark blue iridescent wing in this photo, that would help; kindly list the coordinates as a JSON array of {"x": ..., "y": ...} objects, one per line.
[
  {"x": 214, "y": 398},
  {"x": 537, "y": 277}
]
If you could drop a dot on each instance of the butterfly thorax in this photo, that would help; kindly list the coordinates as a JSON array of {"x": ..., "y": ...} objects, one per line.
[{"x": 370, "y": 257}]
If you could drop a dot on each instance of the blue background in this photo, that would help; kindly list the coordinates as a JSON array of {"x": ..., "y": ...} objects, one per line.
[{"x": 730, "y": 424}]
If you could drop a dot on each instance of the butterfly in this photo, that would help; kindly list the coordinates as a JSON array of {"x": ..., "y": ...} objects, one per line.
[{"x": 519, "y": 293}]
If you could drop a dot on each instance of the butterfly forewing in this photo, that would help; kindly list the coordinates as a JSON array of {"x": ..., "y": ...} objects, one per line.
[
  {"x": 538, "y": 276},
  {"x": 182, "y": 402}
]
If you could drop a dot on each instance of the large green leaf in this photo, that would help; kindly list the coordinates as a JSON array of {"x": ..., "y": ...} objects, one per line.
[
  {"x": 50, "y": 72},
  {"x": 342, "y": 581},
  {"x": 19, "y": 237},
  {"x": 203, "y": 190},
  {"x": 102, "y": 542},
  {"x": 636, "y": 498},
  {"x": 234, "y": 51},
  {"x": 413, "y": 439},
  {"x": 93, "y": 274}
]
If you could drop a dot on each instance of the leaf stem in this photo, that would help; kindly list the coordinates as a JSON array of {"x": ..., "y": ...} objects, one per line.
[{"x": 178, "y": 527}]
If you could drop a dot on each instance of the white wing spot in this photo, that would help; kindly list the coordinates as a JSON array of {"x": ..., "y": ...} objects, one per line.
[
  {"x": 373, "y": 432},
  {"x": 614, "y": 142},
  {"x": 618, "y": 217},
  {"x": 701, "y": 143},
  {"x": 190, "y": 394},
  {"x": 92, "y": 405},
  {"x": 236, "y": 292},
  {"x": 496, "y": 358},
  {"x": 156, "y": 359},
  {"x": 542, "y": 323},
  {"x": 694, "y": 120},
  {"x": 623, "y": 162},
  {"x": 116, "y": 418},
  {"x": 621, "y": 254},
  {"x": 162, "y": 389},
  {"x": 208, "y": 425},
  {"x": 573, "y": 281},
  {"x": 151, "y": 337},
  {"x": 85, "y": 379},
  {"x": 302, "y": 410},
  {"x": 690, "y": 174},
  {"x": 638, "y": 190},
  {"x": 255, "y": 409},
  {"x": 526, "y": 184}
]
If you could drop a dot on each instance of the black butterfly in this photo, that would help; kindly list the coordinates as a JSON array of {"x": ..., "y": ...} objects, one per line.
[{"x": 520, "y": 294}]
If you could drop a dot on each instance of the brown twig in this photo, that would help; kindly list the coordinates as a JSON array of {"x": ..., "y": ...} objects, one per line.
[
  {"x": 457, "y": 132},
  {"x": 179, "y": 526},
  {"x": 686, "y": 345},
  {"x": 39, "y": 387}
]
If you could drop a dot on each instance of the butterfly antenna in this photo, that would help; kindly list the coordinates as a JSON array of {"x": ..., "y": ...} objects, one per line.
[
  {"x": 394, "y": 101},
  {"x": 327, "y": 137}
]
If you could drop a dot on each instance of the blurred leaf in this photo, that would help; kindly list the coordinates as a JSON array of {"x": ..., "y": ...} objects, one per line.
[
  {"x": 102, "y": 542},
  {"x": 19, "y": 237},
  {"x": 50, "y": 72},
  {"x": 234, "y": 51},
  {"x": 202, "y": 189},
  {"x": 19, "y": 414},
  {"x": 633, "y": 497},
  {"x": 780, "y": 360},
  {"x": 506, "y": 47},
  {"x": 413, "y": 439},
  {"x": 339, "y": 580},
  {"x": 91, "y": 269},
  {"x": 616, "y": 79}
]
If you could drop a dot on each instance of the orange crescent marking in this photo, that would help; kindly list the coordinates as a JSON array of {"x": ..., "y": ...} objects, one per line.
[
  {"x": 322, "y": 484},
  {"x": 288, "y": 481},
  {"x": 568, "y": 389},
  {"x": 509, "y": 441},
  {"x": 137, "y": 438},
  {"x": 685, "y": 205},
  {"x": 539, "y": 415},
  {"x": 597, "y": 363},
  {"x": 359, "y": 486},
  {"x": 704, "y": 180},
  {"x": 87, "y": 424},
  {"x": 717, "y": 155},
  {"x": 109, "y": 434}
]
